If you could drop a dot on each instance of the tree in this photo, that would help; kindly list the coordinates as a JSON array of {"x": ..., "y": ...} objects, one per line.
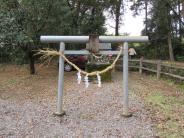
[
  {"x": 140, "y": 5},
  {"x": 87, "y": 16},
  {"x": 116, "y": 9},
  {"x": 24, "y": 21},
  {"x": 159, "y": 26}
]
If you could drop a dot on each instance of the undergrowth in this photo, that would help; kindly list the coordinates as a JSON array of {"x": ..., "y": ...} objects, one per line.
[{"x": 167, "y": 109}]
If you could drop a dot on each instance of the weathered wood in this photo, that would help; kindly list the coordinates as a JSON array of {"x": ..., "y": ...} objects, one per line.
[
  {"x": 134, "y": 67},
  {"x": 149, "y": 61},
  {"x": 152, "y": 70},
  {"x": 134, "y": 60},
  {"x": 140, "y": 65},
  {"x": 173, "y": 75},
  {"x": 120, "y": 66},
  {"x": 93, "y": 46},
  {"x": 171, "y": 66},
  {"x": 158, "y": 69}
]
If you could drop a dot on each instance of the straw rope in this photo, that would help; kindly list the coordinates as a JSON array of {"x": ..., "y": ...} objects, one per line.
[
  {"x": 50, "y": 53},
  {"x": 98, "y": 57}
]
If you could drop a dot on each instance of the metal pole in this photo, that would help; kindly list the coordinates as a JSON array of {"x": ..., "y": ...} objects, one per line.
[
  {"x": 59, "y": 110},
  {"x": 125, "y": 80},
  {"x": 85, "y": 39}
]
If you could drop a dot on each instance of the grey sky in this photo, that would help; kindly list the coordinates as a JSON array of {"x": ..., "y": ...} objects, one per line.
[{"x": 131, "y": 25}]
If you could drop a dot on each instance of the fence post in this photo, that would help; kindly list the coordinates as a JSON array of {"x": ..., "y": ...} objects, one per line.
[
  {"x": 59, "y": 110},
  {"x": 158, "y": 69},
  {"x": 141, "y": 65}
]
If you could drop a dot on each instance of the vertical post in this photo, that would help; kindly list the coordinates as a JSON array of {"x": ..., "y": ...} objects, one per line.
[
  {"x": 59, "y": 110},
  {"x": 125, "y": 80},
  {"x": 158, "y": 69},
  {"x": 140, "y": 65}
]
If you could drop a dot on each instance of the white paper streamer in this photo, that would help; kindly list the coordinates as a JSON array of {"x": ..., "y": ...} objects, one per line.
[
  {"x": 86, "y": 81},
  {"x": 99, "y": 80},
  {"x": 79, "y": 77}
]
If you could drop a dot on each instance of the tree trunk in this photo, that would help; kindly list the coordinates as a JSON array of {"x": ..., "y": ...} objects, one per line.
[
  {"x": 171, "y": 55},
  {"x": 117, "y": 15},
  {"x": 180, "y": 28},
  {"x": 146, "y": 17},
  {"x": 182, "y": 12},
  {"x": 31, "y": 62},
  {"x": 117, "y": 26},
  {"x": 169, "y": 38}
]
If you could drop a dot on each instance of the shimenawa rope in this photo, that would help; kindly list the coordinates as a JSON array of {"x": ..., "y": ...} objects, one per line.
[{"x": 50, "y": 53}]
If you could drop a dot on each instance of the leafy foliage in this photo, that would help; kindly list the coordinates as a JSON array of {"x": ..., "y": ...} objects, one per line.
[{"x": 164, "y": 26}]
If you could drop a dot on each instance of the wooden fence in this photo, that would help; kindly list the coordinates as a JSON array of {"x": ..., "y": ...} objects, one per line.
[{"x": 157, "y": 67}]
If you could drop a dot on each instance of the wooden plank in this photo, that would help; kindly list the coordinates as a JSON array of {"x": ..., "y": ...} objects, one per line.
[
  {"x": 149, "y": 61},
  {"x": 149, "y": 69},
  {"x": 140, "y": 65},
  {"x": 172, "y": 75},
  {"x": 169, "y": 74},
  {"x": 119, "y": 66},
  {"x": 134, "y": 60},
  {"x": 134, "y": 67},
  {"x": 170, "y": 66},
  {"x": 158, "y": 68},
  {"x": 128, "y": 66}
]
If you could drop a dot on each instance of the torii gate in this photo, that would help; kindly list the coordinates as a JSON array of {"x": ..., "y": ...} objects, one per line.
[{"x": 85, "y": 39}]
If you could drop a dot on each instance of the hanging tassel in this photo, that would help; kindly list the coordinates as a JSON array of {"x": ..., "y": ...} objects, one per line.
[
  {"x": 99, "y": 80},
  {"x": 79, "y": 77},
  {"x": 86, "y": 81}
]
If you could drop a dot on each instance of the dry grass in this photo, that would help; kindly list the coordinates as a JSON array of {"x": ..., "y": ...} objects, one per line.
[{"x": 165, "y": 102}]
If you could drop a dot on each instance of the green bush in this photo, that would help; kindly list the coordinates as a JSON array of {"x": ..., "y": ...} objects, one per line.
[
  {"x": 98, "y": 67},
  {"x": 18, "y": 56}
]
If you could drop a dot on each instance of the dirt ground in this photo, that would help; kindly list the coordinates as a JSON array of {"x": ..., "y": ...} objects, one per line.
[{"x": 27, "y": 103}]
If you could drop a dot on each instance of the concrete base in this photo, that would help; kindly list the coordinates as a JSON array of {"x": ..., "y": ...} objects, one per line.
[
  {"x": 59, "y": 114},
  {"x": 127, "y": 115}
]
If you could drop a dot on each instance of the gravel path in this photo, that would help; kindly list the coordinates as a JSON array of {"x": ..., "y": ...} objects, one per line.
[{"x": 93, "y": 112}]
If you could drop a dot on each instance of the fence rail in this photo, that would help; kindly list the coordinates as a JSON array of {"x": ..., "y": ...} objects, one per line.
[{"x": 158, "y": 69}]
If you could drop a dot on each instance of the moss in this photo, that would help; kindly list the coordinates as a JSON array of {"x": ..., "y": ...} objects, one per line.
[
  {"x": 172, "y": 130},
  {"x": 94, "y": 67},
  {"x": 181, "y": 86},
  {"x": 12, "y": 81},
  {"x": 166, "y": 105},
  {"x": 159, "y": 100}
]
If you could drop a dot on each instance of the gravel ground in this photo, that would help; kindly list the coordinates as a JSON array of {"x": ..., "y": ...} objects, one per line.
[{"x": 26, "y": 110}]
